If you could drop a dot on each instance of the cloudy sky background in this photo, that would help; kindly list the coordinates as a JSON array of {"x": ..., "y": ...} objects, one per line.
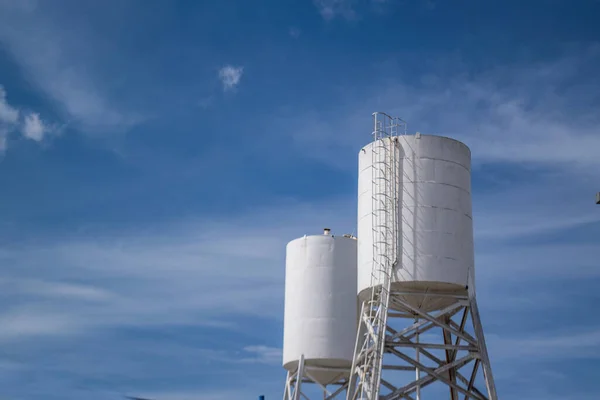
[{"x": 157, "y": 156}]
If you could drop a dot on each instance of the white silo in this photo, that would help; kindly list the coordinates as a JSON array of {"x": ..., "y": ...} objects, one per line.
[
  {"x": 320, "y": 310},
  {"x": 434, "y": 223},
  {"x": 416, "y": 268}
]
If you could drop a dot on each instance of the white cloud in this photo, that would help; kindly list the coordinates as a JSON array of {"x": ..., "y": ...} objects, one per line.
[
  {"x": 33, "y": 127},
  {"x": 230, "y": 76},
  {"x": 330, "y": 9},
  {"x": 8, "y": 114}
]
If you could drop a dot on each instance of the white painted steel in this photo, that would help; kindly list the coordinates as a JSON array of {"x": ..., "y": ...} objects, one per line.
[
  {"x": 320, "y": 305},
  {"x": 435, "y": 225}
]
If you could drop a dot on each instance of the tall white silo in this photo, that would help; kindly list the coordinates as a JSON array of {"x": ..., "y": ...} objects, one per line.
[
  {"x": 416, "y": 268},
  {"x": 320, "y": 312},
  {"x": 434, "y": 224}
]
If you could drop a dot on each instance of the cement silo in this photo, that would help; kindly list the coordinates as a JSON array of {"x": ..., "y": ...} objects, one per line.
[
  {"x": 416, "y": 268},
  {"x": 434, "y": 217},
  {"x": 320, "y": 310}
]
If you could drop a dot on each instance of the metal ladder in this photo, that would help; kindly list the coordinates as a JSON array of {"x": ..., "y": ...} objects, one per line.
[{"x": 367, "y": 363}]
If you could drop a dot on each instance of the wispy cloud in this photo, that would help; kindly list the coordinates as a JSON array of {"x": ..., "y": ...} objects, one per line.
[
  {"x": 225, "y": 394},
  {"x": 330, "y": 9},
  {"x": 26, "y": 323},
  {"x": 294, "y": 32},
  {"x": 350, "y": 10},
  {"x": 175, "y": 276},
  {"x": 8, "y": 113},
  {"x": 506, "y": 210},
  {"x": 91, "y": 287},
  {"x": 263, "y": 354},
  {"x": 230, "y": 76},
  {"x": 549, "y": 345},
  {"x": 8, "y": 119},
  {"x": 520, "y": 224},
  {"x": 515, "y": 263},
  {"x": 47, "y": 289},
  {"x": 106, "y": 305},
  {"x": 206, "y": 102},
  {"x": 164, "y": 279},
  {"x": 58, "y": 61},
  {"x": 509, "y": 114}
]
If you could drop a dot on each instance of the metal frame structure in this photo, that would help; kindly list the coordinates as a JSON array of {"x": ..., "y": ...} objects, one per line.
[
  {"x": 449, "y": 351},
  {"x": 391, "y": 329},
  {"x": 295, "y": 380}
]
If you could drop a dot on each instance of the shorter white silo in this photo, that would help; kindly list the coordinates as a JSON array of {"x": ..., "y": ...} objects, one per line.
[{"x": 320, "y": 305}]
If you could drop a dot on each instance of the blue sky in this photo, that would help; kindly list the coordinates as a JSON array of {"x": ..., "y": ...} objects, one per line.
[{"x": 157, "y": 156}]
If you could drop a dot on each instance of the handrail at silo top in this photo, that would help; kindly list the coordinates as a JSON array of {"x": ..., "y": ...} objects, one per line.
[
  {"x": 381, "y": 112},
  {"x": 389, "y": 116},
  {"x": 397, "y": 120}
]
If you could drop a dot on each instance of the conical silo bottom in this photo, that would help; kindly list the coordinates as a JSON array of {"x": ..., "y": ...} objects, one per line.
[
  {"x": 324, "y": 373},
  {"x": 424, "y": 296}
]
